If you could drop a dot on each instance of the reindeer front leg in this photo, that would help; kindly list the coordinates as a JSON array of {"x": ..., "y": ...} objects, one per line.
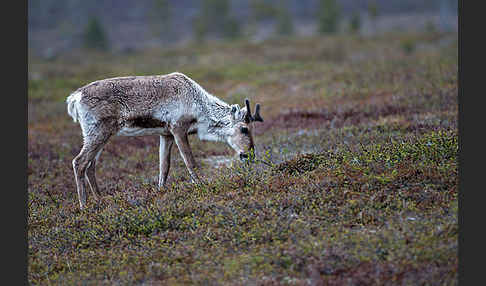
[
  {"x": 180, "y": 136},
  {"x": 165, "y": 147}
]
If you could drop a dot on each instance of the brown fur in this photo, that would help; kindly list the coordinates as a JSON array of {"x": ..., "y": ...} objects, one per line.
[{"x": 171, "y": 106}]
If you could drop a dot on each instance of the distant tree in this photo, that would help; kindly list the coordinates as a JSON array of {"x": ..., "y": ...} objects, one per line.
[
  {"x": 263, "y": 10},
  {"x": 94, "y": 35},
  {"x": 430, "y": 27},
  {"x": 200, "y": 28},
  {"x": 160, "y": 15},
  {"x": 355, "y": 22},
  {"x": 163, "y": 9},
  {"x": 373, "y": 10},
  {"x": 284, "y": 25},
  {"x": 215, "y": 17},
  {"x": 328, "y": 16},
  {"x": 231, "y": 28}
]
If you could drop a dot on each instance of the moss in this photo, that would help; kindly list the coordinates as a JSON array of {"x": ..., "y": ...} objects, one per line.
[
  {"x": 359, "y": 187},
  {"x": 300, "y": 164}
]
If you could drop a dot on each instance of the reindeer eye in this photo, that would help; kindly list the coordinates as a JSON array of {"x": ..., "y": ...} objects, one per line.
[{"x": 244, "y": 130}]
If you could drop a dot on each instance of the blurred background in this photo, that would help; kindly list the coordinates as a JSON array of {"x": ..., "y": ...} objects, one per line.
[
  {"x": 59, "y": 27},
  {"x": 360, "y": 107}
]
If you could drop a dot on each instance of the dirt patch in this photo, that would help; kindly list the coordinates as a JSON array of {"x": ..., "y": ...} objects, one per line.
[
  {"x": 296, "y": 118},
  {"x": 219, "y": 161},
  {"x": 368, "y": 273}
]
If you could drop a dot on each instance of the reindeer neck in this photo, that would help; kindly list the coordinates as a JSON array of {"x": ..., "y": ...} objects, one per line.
[{"x": 214, "y": 117}]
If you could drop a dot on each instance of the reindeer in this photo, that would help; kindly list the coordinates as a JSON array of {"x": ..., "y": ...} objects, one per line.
[{"x": 171, "y": 106}]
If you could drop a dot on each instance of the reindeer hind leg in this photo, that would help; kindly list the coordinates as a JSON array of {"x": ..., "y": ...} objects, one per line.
[
  {"x": 94, "y": 140},
  {"x": 77, "y": 167},
  {"x": 91, "y": 176}
]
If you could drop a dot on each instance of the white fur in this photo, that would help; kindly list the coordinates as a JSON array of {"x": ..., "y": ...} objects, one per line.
[
  {"x": 72, "y": 104},
  {"x": 128, "y": 131},
  {"x": 80, "y": 113},
  {"x": 212, "y": 118}
]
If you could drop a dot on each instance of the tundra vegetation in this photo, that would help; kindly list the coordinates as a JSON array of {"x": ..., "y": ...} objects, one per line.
[{"x": 357, "y": 181}]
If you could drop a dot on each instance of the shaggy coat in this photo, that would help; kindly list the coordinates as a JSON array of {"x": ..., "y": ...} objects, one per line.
[{"x": 170, "y": 106}]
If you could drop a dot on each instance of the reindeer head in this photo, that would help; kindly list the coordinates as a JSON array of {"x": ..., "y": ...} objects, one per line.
[{"x": 240, "y": 137}]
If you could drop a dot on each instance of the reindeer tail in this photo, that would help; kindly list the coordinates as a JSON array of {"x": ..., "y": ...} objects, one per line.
[{"x": 72, "y": 105}]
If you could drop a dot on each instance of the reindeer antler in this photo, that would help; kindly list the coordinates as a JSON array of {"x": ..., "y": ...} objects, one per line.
[
  {"x": 256, "y": 116},
  {"x": 248, "y": 117}
]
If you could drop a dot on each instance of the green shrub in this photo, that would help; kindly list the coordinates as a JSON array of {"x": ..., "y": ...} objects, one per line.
[
  {"x": 231, "y": 28},
  {"x": 300, "y": 164},
  {"x": 355, "y": 23},
  {"x": 285, "y": 26},
  {"x": 329, "y": 15},
  {"x": 160, "y": 16},
  {"x": 430, "y": 27},
  {"x": 95, "y": 36},
  {"x": 373, "y": 10},
  {"x": 200, "y": 28},
  {"x": 262, "y": 10},
  {"x": 408, "y": 46},
  {"x": 215, "y": 18}
]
